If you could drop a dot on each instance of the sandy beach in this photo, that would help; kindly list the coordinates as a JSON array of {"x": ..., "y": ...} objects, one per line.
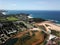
[{"x": 50, "y": 25}]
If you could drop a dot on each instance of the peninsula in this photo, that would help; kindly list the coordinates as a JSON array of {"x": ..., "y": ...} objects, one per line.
[{"x": 20, "y": 29}]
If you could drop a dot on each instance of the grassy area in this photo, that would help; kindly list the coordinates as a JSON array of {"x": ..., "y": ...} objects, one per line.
[
  {"x": 2, "y": 19},
  {"x": 12, "y": 18}
]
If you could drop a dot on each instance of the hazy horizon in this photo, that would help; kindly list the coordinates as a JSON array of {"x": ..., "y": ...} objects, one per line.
[{"x": 30, "y": 4}]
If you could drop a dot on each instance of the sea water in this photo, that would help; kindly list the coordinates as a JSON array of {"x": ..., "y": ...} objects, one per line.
[{"x": 49, "y": 15}]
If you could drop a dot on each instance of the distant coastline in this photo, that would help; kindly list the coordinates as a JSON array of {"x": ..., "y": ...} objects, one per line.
[{"x": 48, "y": 15}]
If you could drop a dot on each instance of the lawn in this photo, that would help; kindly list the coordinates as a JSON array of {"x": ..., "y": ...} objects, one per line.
[{"x": 12, "y": 18}]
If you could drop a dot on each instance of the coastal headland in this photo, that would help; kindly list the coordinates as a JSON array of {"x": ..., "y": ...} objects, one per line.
[{"x": 27, "y": 31}]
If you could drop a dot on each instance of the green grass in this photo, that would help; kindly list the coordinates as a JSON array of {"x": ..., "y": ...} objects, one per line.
[
  {"x": 12, "y": 18},
  {"x": 2, "y": 19}
]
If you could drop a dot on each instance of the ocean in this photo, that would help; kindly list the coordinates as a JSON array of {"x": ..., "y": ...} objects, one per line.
[{"x": 48, "y": 15}]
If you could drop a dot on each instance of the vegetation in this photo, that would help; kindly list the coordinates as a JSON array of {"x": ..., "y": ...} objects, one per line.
[
  {"x": 2, "y": 19},
  {"x": 55, "y": 33},
  {"x": 38, "y": 19},
  {"x": 12, "y": 18},
  {"x": 27, "y": 40}
]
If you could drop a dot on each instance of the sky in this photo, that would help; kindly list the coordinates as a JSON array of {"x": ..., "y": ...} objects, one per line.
[{"x": 30, "y": 4}]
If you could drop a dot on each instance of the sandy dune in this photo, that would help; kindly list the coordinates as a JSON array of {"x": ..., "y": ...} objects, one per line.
[{"x": 51, "y": 25}]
